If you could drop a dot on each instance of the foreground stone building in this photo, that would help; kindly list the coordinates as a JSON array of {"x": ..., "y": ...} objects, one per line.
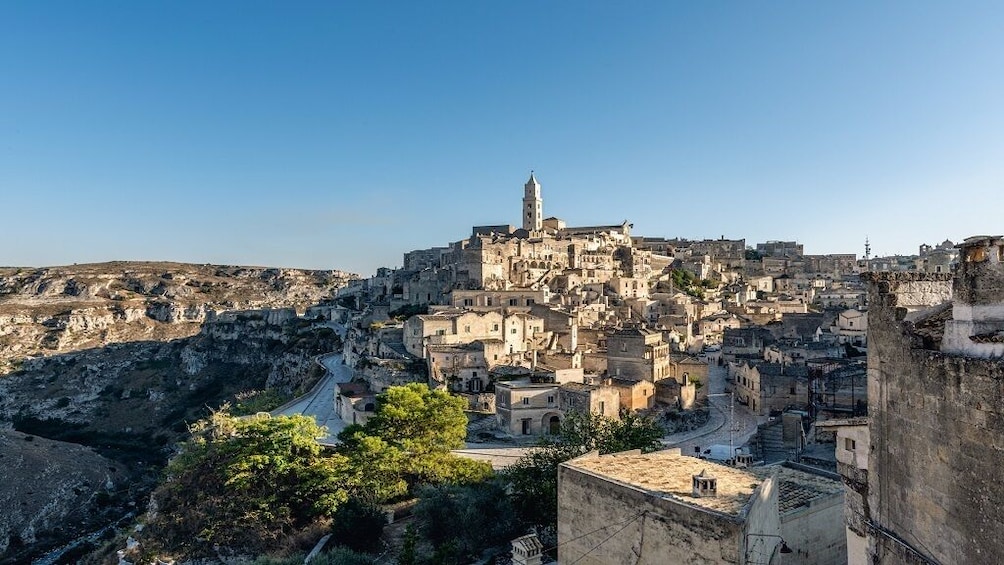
[
  {"x": 933, "y": 491},
  {"x": 664, "y": 507}
]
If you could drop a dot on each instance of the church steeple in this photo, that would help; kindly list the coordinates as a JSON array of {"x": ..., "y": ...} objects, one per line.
[{"x": 532, "y": 205}]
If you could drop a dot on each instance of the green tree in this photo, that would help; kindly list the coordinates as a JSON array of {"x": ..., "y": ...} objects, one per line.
[
  {"x": 376, "y": 468},
  {"x": 419, "y": 420},
  {"x": 246, "y": 483},
  {"x": 358, "y": 525},
  {"x": 408, "y": 441},
  {"x": 533, "y": 479},
  {"x": 466, "y": 518}
]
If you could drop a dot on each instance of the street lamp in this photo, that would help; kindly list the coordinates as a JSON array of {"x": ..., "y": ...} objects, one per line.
[
  {"x": 784, "y": 544},
  {"x": 732, "y": 422}
]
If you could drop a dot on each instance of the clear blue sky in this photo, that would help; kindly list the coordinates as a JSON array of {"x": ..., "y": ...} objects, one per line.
[{"x": 340, "y": 134}]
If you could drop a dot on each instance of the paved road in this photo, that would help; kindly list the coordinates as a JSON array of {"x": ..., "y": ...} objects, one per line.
[
  {"x": 716, "y": 431},
  {"x": 321, "y": 403}
]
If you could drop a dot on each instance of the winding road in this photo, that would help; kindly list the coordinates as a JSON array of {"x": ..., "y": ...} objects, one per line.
[{"x": 320, "y": 401}]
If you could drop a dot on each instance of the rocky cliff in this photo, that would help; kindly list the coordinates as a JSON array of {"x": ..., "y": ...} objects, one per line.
[
  {"x": 57, "y": 309},
  {"x": 117, "y": 359}
]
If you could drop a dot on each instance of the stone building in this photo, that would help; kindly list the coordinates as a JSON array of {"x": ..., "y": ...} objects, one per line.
[
  {"x": 463, "y": 368},
  {"x": 663, "y": 507},
  {"x": 458, "y": 327},
  {"x": 634, "y": 395},
  {"x": 811, "y": 505},
  {"x": 533, "y": 206},
  {"x": 354, "y": 402},
  {"x": 852, "y": 451},
  {"x": 780, "y": 249},
  {"x": 637, "y": 353},
  {"x": 851, "y": 327},
  {"x": 525, "y": 408},
  {"x": 751, "y": 341},
  {"x": 770, "y": 387},
  {"x": 450, "y": 327},
  {"x": 936, "y": 409},
  {"x": 597, "y": 399},
  {"x": 629, "y": 287},
  {"x": 689, "y": 369}
]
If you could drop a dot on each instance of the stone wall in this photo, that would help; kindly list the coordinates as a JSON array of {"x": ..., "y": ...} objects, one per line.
[
  {"x": 937, "y": 433},
  {"x": 652, "y": 531},
  {"x": 812, "y": 532}
]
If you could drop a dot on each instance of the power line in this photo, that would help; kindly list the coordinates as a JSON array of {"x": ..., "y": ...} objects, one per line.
[
  {"x": 607, "y": 538},
  {"x": 596, "y": 530}
]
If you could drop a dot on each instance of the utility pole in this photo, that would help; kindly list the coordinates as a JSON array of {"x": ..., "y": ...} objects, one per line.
[{"x": 732, "y": 422}]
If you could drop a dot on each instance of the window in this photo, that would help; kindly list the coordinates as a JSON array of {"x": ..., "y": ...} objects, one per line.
[
  {"x": 513, "y": 302},
  {"x": 474, "y": 374},
  {"x": 550, "y": 399},
  {"x": 468, "y": 302},
  {"x": 440, "y": 332},
  {"x": 488, "y": 301},
  {"x": 529, "y": 302},
  {"x": 849, "y": 444},
  {"x": 495, "y": 328},
  {"x": 623, "y": 346},
  {"x": 512, "y": 331},
  {"x": 603, "y": 407},
  {"x": 526, "y": 401},
  {"x": 791, "y": 390}
]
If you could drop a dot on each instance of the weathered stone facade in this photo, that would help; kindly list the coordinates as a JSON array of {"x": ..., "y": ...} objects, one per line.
[
  {"x": 641, "y": 509},
  {"x": 637, "y": 353},
  {"x": 937, "y": 431}
]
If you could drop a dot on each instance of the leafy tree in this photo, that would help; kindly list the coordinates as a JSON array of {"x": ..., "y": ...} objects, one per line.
[
  {"x": 336, "y": 556},
  {"x": 407, "y": 555},
  {"x": 408, "y": 440},
  {"x": 358, "y": 525},
  {"x": 533, "y": 479},
  {"x": 419, "y": 420},
  {"x": 246, "y": 483},
  {"x": 461, "y": 520},
  {"x": 376, "y": 468}
]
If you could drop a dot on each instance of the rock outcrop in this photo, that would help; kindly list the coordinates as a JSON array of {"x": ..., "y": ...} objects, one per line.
[
  {"x": 49, "y": 485},
  {"x": 58, "y": 309},
  {"x": 106, "y": 365}
]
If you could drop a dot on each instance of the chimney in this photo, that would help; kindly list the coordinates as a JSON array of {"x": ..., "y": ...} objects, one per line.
[
  {"x": 527, "y": 550},
  {"x": 705, "y": 486},
  {"x": 977, "y": 325}
]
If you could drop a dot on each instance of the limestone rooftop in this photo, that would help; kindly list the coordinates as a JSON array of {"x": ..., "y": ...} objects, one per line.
[
  {"x": 669, "y": 475},
  {"x": 799, "y": 488}
]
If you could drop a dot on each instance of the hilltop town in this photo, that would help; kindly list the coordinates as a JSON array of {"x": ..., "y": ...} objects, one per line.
[
  {"x": 787, "y": 430},
  {"x": 530, "y": 322},
  {"x": 761, "y": 344}
]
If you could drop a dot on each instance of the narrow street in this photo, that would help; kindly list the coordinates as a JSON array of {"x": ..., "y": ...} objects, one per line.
[
  {"x": 717, "y": 430},
  {"x": 320, "y": 403}
]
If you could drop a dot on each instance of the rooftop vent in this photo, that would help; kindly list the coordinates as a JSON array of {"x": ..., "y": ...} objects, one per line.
[
  {"x": 705, "y": 485},
  {"x": 744, "y": 460},
  {"x": 527, "y": 550}
]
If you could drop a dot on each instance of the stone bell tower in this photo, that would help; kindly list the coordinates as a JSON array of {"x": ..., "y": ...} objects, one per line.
[{"x": 533, "y": 218}]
